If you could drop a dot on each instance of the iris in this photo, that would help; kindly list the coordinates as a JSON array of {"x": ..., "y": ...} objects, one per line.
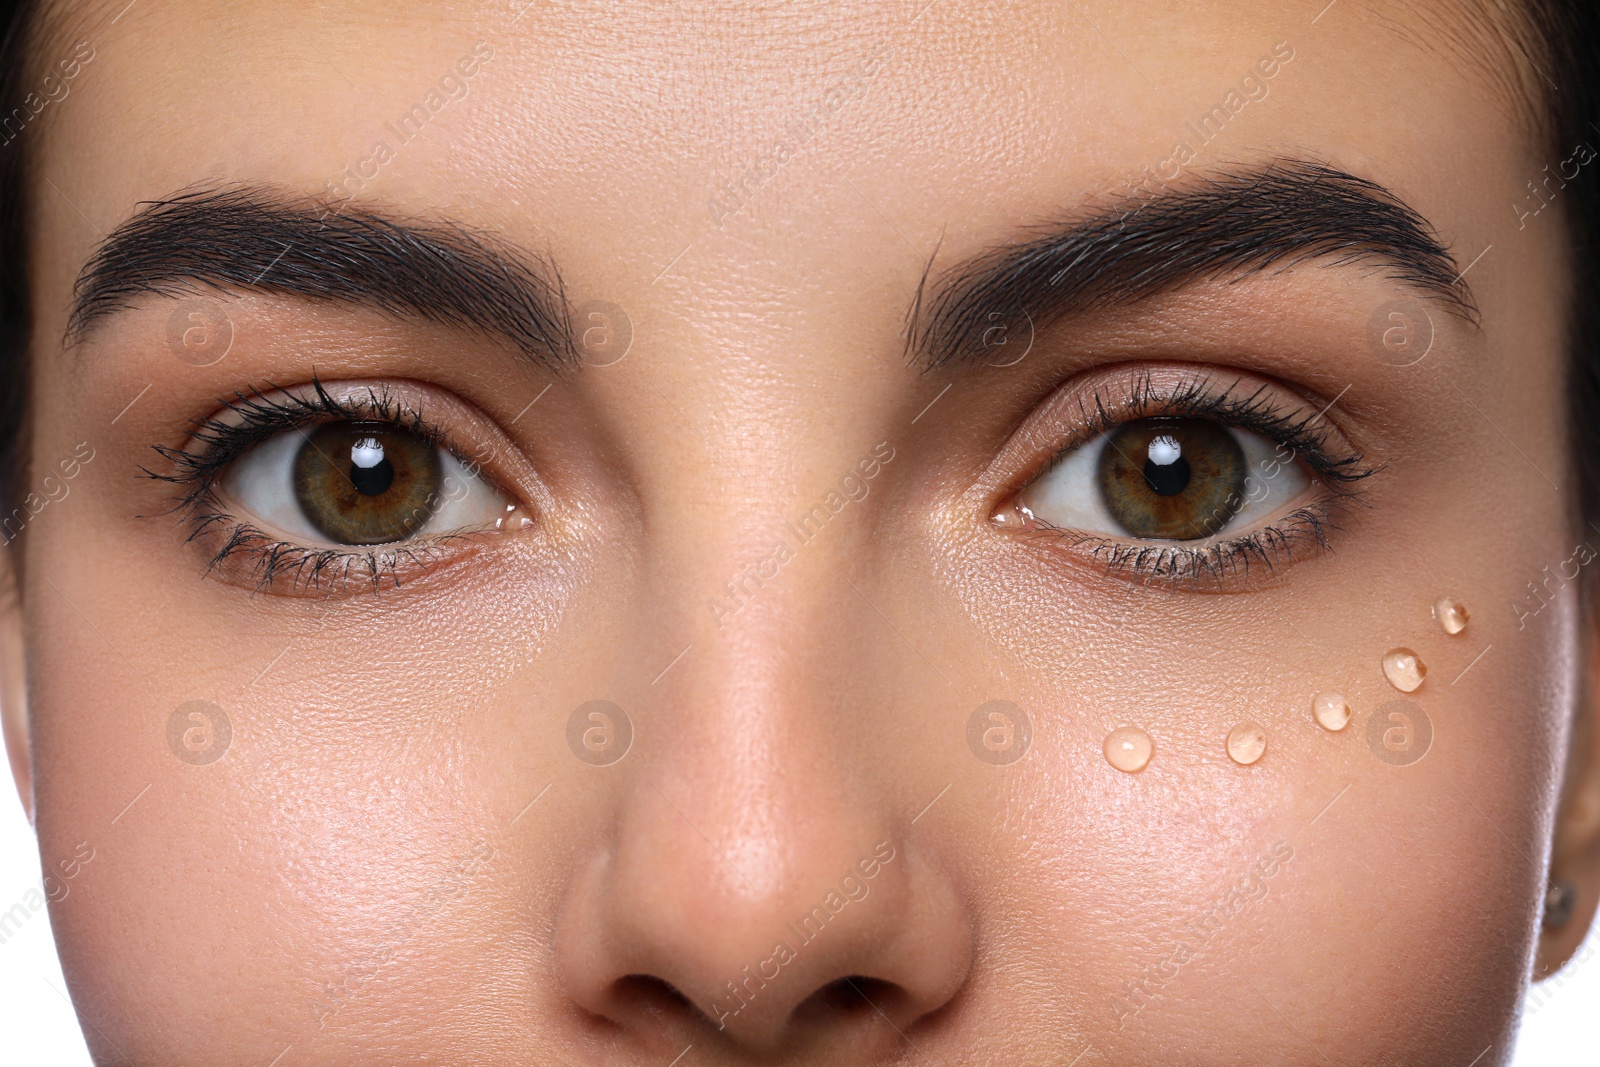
[
  {"x": 366, "y": 483},
  {"x": 1174, "y": 479}
]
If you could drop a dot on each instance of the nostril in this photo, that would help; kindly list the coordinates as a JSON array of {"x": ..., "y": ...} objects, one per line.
[
  {"x": 851, "y": 996},
  {"x": 646, "y": 995},
  {"x": 658, "y": 945}
]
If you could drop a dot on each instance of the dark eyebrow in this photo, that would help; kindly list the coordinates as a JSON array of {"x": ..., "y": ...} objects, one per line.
[
  {"x": 255, "y": 239},
  {"x": 1228, "y": 225}
]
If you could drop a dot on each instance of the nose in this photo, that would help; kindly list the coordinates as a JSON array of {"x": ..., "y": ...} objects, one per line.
[{"x": 760, "y": 886}]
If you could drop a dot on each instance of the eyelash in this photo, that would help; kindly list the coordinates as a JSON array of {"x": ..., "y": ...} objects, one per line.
[
  {"x": 255, "y": 417},
  {"x": 1217, "y": 563}
]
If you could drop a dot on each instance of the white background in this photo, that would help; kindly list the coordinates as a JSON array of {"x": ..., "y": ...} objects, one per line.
[{"x": 38, "y": 1028}]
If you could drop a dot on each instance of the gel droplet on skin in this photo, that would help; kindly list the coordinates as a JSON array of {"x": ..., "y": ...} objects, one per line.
[
  {"x": 1404, "y": 669},
  {"x": 1246, "y": 743},
  {"x": 1128, "y": 749},
  {"x": 1331, "y": 711},
  {"x": 1451, "y": 613}
]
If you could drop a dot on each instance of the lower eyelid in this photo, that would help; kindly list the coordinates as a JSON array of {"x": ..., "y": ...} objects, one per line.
[
  {"x": 252, "y": 559},
  {"x": 1224, "y": 565}
]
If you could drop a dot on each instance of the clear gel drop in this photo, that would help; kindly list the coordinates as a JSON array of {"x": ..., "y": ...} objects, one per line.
[
  {"x": 1404, "y": 669},
  {"x": 1331, "y": 711},
  {"x": 1451, "y": 613},
  {"x": 1246, "y": 743},
  {"x": 1128, "y": 749}
]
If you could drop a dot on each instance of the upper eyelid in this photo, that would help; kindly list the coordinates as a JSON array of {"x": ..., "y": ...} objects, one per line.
[
  {"x": 196, "y": 473},
  {"x": 1201, "y": 395},
  {"x": 285, "y": 410}
]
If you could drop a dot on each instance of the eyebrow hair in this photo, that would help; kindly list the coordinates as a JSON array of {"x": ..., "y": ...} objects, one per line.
[
  {"x": 1229, "y": 225},
  {"x": 255, "y": 239}
]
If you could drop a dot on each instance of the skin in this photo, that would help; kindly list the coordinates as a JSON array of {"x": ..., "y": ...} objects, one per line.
[{"x": 361, "y": 879}]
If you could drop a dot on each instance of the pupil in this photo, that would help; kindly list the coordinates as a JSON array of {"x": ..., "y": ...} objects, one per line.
[
  {"x": 370, "y": 471},
  {"x": 1166, "y": 472}
]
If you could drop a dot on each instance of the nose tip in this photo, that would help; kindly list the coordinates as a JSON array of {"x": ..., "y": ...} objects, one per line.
[{"x": 763, "y": 946}]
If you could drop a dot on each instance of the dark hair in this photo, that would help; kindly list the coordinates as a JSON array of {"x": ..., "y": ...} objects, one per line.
[
  {"x": 1568, "y": 34},
  {"x": 1559, "y": 38},
  {"x": 15, "y": 313}
]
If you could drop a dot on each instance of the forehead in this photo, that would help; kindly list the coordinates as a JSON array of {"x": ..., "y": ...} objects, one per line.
[{"x": 767, "y": 136}]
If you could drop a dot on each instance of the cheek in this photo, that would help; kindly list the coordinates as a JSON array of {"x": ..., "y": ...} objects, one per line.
[
  {"x": 1413, "y": 888},
  {"x": 286, "y": 872},
  {"x": 340, "y": 806}
]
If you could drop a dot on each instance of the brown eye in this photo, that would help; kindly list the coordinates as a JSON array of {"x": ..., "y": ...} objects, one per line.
[
  {"x": 363, "y": 483},
  {"x": 1173, "y": 479}
]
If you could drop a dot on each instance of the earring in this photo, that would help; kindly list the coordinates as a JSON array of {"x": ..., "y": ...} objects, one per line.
[{"x": 1559, "y": 901}]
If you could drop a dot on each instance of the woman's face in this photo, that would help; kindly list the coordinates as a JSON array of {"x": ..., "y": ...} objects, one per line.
[{"x": 1133, "y": 368}]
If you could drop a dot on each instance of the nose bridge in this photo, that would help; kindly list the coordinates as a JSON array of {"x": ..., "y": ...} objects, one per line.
[
  {"x": 755, "y": 744},
  {"x": 755, "y": 858},
  {"x": 754, "y": 806},
  {"x": 761, "y": 588}
]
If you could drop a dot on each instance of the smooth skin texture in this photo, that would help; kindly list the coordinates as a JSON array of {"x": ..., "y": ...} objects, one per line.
[{"x": 399, "y": 860}]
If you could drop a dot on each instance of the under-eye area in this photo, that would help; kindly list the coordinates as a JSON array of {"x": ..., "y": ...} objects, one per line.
[
  {"x": 1190, "y": 476},
  {"x": 330, "y": 487}
]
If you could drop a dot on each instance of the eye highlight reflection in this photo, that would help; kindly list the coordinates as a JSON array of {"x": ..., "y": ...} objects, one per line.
[
  {"x": 1167, "y": 474},
  {"x": 359, "y": 483},
  {"x": 297, "y": 488},
  {"x": 365, "y": 484},
  {"x": 1170, "y": 479}
]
